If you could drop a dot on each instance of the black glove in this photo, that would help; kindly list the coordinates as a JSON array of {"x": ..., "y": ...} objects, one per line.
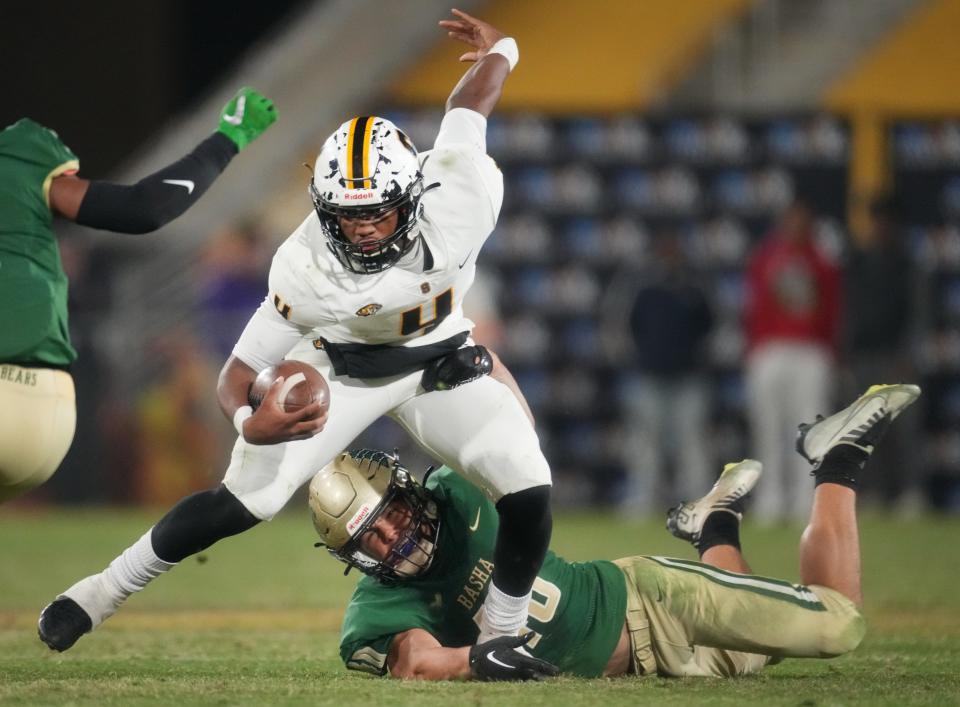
[
  {"x": 457, "y": 368},
  {"x": 499, "y": 659}
]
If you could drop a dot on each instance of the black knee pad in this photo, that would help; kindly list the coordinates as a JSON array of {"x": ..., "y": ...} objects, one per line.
[
  {"x": 197, "y": 522},
  {"x": 522, "y": 541}
]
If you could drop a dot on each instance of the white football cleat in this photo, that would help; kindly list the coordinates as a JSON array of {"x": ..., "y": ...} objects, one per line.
[
  {"x": 686, "y": 520},
  {"x": 856, "y": 424}
]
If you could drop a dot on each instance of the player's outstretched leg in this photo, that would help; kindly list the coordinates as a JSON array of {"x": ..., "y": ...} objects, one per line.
[
  {"x": 526, "y": 524},
  {"x": 194, "y": 524},
  {"x": 839, "y": 446},
  {"x": 712, "y": 523}
]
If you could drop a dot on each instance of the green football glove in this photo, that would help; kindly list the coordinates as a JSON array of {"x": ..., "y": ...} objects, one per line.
[{"x": 246, "y": 116}]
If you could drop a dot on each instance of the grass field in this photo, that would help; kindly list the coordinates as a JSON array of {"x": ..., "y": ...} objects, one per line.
[{"x": 255, "y": 621}]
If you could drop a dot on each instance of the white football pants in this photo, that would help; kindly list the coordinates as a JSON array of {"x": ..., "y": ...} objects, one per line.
[
  {"x": 787, "y": 383},
  {"x": 478, "y": 429}
]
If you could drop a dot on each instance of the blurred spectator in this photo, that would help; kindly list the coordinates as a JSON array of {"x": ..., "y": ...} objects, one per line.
[
  {"x": 878, "y": 295},
  {"x": 667, "y": 402},
  {"x": 235, "y": 268},
  {"x": 183, "y": 436},
  {"x": 792, "y": 321},
  {"x": 89, "y": 297}
]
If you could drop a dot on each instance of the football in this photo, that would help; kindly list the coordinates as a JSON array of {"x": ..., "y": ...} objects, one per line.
[{"x": 302, "y": 385}]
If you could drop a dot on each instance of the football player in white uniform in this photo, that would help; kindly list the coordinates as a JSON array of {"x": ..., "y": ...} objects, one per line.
[{"x": 369, "y": 290}]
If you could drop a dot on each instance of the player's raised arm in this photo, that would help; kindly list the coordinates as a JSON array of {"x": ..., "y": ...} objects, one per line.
[
  {"x": 158, "y": 199},
  {"x": 495, "y": 55}
]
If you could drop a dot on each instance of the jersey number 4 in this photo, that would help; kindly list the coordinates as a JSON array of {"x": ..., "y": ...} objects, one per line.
[{"x": 412, "y": 321}]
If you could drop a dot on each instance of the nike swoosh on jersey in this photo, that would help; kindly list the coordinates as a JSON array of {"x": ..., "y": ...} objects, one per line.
[
  {"x": 185, "y": 183},
  {"x": 237, "y": 117},
  {"x": 466, "y": 260},
  {"x": 476, "y": 523}
]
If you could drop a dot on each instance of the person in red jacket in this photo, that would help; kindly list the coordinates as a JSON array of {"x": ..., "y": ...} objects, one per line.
[{"x": 792, "y": 322}]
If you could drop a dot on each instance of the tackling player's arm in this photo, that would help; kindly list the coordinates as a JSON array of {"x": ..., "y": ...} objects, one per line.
[
  {"x": 158, "y": 199},
  {"x": 495, "y": 55},
  {"x": 417, "y": 655}
]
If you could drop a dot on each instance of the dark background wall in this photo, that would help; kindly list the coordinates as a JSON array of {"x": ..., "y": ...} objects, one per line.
[{"x": 107, "y": 74}]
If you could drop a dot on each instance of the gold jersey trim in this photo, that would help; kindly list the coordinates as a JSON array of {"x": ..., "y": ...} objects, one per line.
[{"x": 68, "y": 166}]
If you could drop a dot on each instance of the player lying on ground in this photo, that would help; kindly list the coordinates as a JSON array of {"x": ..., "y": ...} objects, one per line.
[
  {"x": 38, "y": 178},
  {"x": 369, "y": 290},
  {"x": 429, "y": 553}
]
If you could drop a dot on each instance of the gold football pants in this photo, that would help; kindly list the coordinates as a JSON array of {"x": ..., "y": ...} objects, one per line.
[
  {"x": 37, "y": 420},
  {"x": 687, "y": 618}
]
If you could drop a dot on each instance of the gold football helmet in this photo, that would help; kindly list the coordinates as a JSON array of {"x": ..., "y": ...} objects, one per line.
[{"x": 348, "y": 496}]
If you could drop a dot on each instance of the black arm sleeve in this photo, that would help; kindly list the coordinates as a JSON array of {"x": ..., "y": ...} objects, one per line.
[{"x": 156, "y": 200}]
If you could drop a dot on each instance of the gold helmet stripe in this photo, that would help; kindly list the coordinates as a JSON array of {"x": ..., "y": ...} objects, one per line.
[
  {"x": 358, "y": 152},
  {"x": 368, "y": 130},
  {"x": 351, "y": 131}
]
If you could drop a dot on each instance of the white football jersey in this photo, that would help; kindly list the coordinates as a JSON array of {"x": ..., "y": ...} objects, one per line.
[{"x": 419, "y": 300}]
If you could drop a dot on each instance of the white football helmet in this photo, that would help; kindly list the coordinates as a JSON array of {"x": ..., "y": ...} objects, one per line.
[
  {"x": 348, "y": 496},
  {"x": 365, "y": 169}
]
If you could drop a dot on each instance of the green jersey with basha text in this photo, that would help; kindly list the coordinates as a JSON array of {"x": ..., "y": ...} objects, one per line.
[
  {"x": 33, "y": 286},
  {"x": 577, "y": 610}
]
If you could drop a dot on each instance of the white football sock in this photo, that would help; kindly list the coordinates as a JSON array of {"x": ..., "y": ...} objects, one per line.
[
  {"x": 503, "y": 615},
  {"x": 100, "y": 595}
]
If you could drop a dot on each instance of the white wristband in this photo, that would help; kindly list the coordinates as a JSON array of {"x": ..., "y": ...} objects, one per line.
[
  {"x": 240, "y": 416},
  {"x": 507, "y": 48}
]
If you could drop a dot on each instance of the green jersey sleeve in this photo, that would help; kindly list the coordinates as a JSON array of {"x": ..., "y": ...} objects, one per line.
[
  {"x": 35, "y": 154},
  {"x": 576, "y": 613},
  {"x": 374, "y": 616}
]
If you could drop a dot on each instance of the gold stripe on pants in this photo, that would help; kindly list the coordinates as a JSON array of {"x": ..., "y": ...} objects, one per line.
[{"x": 687, "y": 618}]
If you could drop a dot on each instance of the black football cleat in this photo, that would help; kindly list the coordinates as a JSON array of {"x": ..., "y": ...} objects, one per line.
[{"x": 62, "y": 623}]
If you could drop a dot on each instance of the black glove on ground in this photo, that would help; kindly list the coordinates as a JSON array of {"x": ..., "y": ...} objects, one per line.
[{"x": 499, "y": 659}]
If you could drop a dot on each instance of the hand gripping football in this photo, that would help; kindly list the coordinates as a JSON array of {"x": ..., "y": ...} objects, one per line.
[{"x": 302, "y": 385}]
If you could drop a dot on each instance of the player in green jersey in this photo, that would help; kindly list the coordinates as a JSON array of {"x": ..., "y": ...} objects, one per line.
[
  {"x": 427, "y": 552},
  {"x": 38, "y": 179}
]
